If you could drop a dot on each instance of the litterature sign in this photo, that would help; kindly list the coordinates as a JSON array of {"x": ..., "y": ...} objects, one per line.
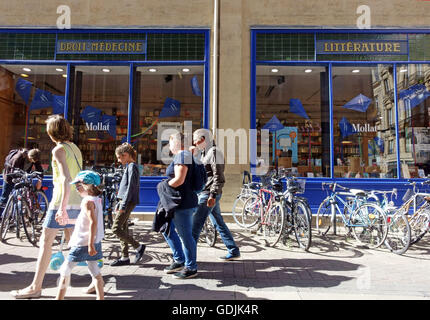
[
  {"x": 101, "y": 47},
  {"x": 373, "y": 47}
]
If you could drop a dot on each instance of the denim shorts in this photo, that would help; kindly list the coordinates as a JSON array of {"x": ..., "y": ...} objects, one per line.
[
  {"x": 50, "y": 222},
  {"x": 78, "y": 254}
]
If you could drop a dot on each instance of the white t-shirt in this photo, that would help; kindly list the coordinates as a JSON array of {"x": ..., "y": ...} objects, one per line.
[{"x": 81, "y": 232}]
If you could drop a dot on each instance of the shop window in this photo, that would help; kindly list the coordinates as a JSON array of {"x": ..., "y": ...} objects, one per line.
[
  {"x": 99, "y": 112},
  {"x": 296, "y": 99},
  {"x": 414, "y": 116},
  {"x": 28, "y": 95},
  {"x": 166, "y": 97},
  {"x": 361, "y": 125}
]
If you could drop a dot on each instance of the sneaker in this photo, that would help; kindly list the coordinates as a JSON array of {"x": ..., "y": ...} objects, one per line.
[
  {"x": 185, "y": 274},
  {"x": 120, "y": 262},
  {"x": 230, "y": 257},
  {"x": 139, "y": 253},
  {"x": 174, "y": 267}
]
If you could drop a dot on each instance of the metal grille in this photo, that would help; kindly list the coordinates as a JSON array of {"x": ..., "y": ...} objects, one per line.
[
  {"x": 27, "y": 46},
  {"x": 419, "y": 47},
  {"x": 285, "y": 47},
  {"x": 161, "y": 46}
]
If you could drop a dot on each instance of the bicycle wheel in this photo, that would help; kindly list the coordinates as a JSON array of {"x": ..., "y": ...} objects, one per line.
[
  {"x": 302, "y": 225},
  {"x": 251, "y": 212},
  {"x": 420, "y": 223},
  {"x": 324, "y": 217},
  {"x": 399, "y": 233},
  {"x": 237, "y": 209},
  {"x": 41, "y": 206},
  {"x": 273, "y": 224},
  {"x": 369, "y": 225},
  {"x": 28, "y": 220},
  {"x": 8, "y": 219},
  {"x": 209, "y": 233}
]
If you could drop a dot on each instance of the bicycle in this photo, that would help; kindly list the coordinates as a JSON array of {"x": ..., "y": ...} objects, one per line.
[
  {"x": 399, "y": 231},
  {"x": 247, "y": 190},
  {"x": 209, "y": 233},
  {"x": 17, "y": 211},
  {"x": 419, "y": 221},
  {"x": 268, "y": 209},
  {"x": 365, "y": 220},
  {"x": 111, "y": 178},
  {"x": 298, "y": 214}
]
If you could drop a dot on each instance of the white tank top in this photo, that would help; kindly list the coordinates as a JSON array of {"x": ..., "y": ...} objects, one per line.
[{"x": 81, "y": 232}]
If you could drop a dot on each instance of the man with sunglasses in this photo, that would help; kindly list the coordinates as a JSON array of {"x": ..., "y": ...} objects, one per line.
[{"x": 209, "y": 198}]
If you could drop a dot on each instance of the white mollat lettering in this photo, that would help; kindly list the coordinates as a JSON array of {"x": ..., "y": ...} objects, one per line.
[
  {"x": 363, "y": 128},
  {"x": 98, "y": 127}
]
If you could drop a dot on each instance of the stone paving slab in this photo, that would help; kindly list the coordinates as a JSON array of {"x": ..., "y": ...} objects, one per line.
[{"x": 335, "y": 268}]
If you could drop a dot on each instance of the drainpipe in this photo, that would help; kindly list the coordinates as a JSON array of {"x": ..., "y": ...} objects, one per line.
[{"x": 215, "y": 68}]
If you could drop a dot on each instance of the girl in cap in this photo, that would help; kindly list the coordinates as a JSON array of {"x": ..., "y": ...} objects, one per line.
[{"x": 86, "y": 239}]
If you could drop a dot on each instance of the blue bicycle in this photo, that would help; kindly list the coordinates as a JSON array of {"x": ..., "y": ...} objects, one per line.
[{"x": 365, "y": 220}]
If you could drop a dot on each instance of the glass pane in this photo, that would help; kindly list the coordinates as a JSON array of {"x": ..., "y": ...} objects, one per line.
[
  {"x": 414, "y": 108},
  {"x": 297, "y": 97},
  {"x": 99, "y": 112},
  {"x": 28, "y": 95},
  {"x": 364, "y": 122},
  {"x": 167, "y": 96}
]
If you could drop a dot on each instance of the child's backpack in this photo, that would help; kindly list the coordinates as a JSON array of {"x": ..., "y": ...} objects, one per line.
[{"x": 199, "y": 176}]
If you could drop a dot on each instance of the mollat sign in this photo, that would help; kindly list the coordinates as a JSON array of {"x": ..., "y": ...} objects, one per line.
[
  {"x": 363, "y": 127},
  {"x": 97, "y": 127}
]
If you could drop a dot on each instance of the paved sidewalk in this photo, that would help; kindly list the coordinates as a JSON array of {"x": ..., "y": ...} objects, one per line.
[{"x": 334, "y": 269}]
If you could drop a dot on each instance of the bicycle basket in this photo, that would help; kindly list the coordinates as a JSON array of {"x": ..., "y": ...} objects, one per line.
[{"x": 296, "y": 185}]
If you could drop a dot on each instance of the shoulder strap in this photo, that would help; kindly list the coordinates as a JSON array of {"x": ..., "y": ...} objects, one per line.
[{"x": 79, "y": 166}]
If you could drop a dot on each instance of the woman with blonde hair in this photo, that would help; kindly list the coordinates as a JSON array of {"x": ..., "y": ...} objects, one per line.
[{"x": 65, "y": 203}]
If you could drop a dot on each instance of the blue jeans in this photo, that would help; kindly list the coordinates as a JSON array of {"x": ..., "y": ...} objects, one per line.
[
  {"x": 7, "y": 189},
  {"x": 181, "y": 239},
  {"x": 214, "y": 213}
]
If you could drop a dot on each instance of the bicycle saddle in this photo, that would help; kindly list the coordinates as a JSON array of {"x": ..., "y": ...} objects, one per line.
[
  {"x": 254, "y": 185},
  {"x": 358, "y": 192}
]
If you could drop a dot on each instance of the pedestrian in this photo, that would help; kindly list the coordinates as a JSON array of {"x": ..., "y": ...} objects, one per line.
[
  {"x": 180, "y": 238},
  {"x": 86, "y": 240},
  {"x": 209, "y": 198},
  {"x": 23, "y": 159},
  {"x": 128, "y": 198},
  {"x": 64, "y": 206}
]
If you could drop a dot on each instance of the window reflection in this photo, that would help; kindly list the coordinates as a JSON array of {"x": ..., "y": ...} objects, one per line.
[{"x": 413, "y": 85}]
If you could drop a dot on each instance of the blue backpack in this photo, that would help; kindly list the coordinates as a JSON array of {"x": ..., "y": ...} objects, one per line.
[{"x": 199, "y": 176}]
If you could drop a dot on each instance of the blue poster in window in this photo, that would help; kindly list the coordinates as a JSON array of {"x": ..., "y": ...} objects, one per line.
[{"x": 286, "y": 140}]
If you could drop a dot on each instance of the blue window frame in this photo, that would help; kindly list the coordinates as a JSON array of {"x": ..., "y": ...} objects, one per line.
[
  {"x": 307, "y": 58},
  {"x": 148, "y": 187}
]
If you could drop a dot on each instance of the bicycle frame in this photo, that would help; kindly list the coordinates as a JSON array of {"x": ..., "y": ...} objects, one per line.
[{"x": 334, "y": 199}]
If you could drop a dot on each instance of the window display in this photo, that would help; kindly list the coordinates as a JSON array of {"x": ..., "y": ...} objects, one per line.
[
  {"x": 166, "y": 98},
  {"x": 364, "y": 131},
  {"x": 294, "y": 101},
  {"x": 28, "y": 95},
  {"x": 99, "y": 112}
]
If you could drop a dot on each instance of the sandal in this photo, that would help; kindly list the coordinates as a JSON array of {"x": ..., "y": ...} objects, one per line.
[{"x": 21, "y": 294}]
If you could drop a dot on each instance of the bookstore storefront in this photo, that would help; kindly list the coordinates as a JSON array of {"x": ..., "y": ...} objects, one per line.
[
  {"x": 350, "y": 106},
  {"x": 113, "y": 86}
]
